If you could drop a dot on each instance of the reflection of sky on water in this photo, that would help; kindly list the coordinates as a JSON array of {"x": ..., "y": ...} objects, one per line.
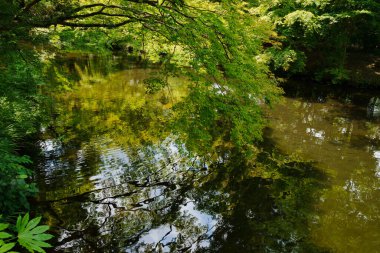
[
  {"x": 203, "y": 219},
  {"x": 167, "y": 234},
  {"x": 114, "y": 161},
  {"x": 317, "y": 134},
  {"x": 52, "y": 149},
  {"x": 376, "y": 155},
  {"x": 144, "y": 175},
  {"x": 113, "y": 164},
  {"x": 164, "y": 235}
]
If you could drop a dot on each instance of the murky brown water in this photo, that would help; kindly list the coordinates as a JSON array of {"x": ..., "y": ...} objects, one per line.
[{"x": 343, "y": 139}]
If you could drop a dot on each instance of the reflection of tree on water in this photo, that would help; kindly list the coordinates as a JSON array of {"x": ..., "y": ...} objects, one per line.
[
  {"x": 373, "y": 108},
  {"x": 164, "y": 199},
  {"x": 265, "y": 206},
  {"x": 151, "y": 191},
  {"x": 122, "y": 182}
]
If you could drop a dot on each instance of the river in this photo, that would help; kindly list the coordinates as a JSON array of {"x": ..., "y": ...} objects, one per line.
[{"x": 113, "y": 177}]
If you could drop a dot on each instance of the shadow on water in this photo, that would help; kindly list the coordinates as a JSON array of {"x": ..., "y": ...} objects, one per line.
[{"x": 114, "y": 178}]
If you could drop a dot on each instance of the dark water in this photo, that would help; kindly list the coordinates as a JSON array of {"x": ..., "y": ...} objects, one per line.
[{"x": 114, "y": 178}]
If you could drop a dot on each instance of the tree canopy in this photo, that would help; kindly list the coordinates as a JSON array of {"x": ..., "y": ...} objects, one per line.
[{"x": 217, "y": 45}]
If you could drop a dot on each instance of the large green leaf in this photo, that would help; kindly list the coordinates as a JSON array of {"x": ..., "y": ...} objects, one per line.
[{"x": 31, "y": 236}]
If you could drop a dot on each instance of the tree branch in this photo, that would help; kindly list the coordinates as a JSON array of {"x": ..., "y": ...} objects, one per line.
[
  {"x": 90, "y": 25},
  {"x": 89, "y": 6},
  {"x": 99, "y": 14}
]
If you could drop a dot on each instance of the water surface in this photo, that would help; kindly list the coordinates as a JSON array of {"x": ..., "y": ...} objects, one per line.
[
  {"x": 336, "y": 131},
  {"x": 114, "y": 177}
]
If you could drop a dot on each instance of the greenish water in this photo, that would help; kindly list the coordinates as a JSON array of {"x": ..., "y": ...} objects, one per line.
[
  {"x": 113, "y": 177},
  {"x": 342, "y": 136}
]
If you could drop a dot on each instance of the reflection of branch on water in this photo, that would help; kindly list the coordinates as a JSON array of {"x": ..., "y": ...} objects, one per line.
[
  {"x": 99, "y": 201},
  {"x": 199, "y": 239},
  {"x": 159, "y": 195},
  {"x": 190, "y": 244},
  {"x": 80, "y": 235},
  {"x": 83, "y": 196},
  {"x": 144, "y": 183},
  {"x": 163, "y": 238}
]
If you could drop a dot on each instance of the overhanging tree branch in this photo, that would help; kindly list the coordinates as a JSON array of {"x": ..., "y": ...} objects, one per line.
[
  {"x": 103, "y": 25},
  {"x": 143, "y": 11}
]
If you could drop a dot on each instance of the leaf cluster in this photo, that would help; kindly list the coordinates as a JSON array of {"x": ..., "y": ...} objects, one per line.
[
  {"x": 13, "y": 182},
  {"x": 212, "y": 43},
  {"x": 29, "y": 235},
  {"x": 20, "y": 115}
]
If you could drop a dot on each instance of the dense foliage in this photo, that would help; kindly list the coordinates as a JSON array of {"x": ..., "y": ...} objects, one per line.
[
  {"x": 19, "y": 114},
  {"x": 317, "y": 36},
  {"x": 226, "y": 49}
]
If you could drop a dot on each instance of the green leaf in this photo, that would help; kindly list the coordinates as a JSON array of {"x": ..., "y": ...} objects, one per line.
[
  {"x": 43, "y": 237},
  {"x": 24, "y": 221},
  {"x": 3, "y": 226},
  {"x": 42, "y": 244},
  {"x": 18, "y": 223},
  {"x": 7, "y": 247},
  {"x": 40, "y": 229},
  {"x": 31, "y": 236},
  {"x": 37, "y": 248},
  {"x": 33, "y": 223},
  {"x": 4, "y": 235}
]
